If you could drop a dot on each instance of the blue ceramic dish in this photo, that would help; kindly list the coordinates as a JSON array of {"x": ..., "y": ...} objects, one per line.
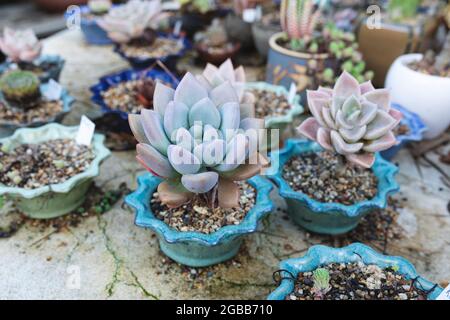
[
  {"x": 7, "y": 128},
  {"x": 318, "y": 256},
  {"x": 55, "y": 61},
  {"x": 193, "y": 248},
  {"x": 416, "y": 130},
  {"x": 328, "y": 218},
  {"x": 112, "y": 80},
  {"x": 169, "y": 60}
]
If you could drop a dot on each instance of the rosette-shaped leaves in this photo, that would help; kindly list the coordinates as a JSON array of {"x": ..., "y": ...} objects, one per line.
[
  {"x": 20, "y": 45},
  {"x": 299, "y": 18},
  {"x": 351, "y": 119},
  {"x": 129, "y": 21},
  {"x": 196, "y": 139}
]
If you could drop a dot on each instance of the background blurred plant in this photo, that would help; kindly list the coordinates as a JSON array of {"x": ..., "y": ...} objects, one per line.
[
  {"x": 21, "y": 89},
  {"x": 201, "y": 6},
  {"x": 322, "y": 285},
  {"x": 20, "y": 45},
  {"x": 99, "y": 7},
  {"x": 399, "y": 10}
]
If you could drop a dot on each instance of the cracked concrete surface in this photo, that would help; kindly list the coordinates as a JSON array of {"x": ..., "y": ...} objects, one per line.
[{"x": 117, "y": 260}]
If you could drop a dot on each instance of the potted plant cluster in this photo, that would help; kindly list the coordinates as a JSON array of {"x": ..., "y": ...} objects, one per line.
[
  {"x": 46, "y": 172},
  {"x": 214, "y": 46},
  {"x": 201, "y": 196},
  {"x": 331, "y": 184},
  {"x": 23, "y": 51},
  {"x": 309, "y": 52},
  {"x": 26, "y": 102},
  {"x": 431, "y": 73},
  {"x": 133, "y": 28},
  {"x": 355, "y": 272}
]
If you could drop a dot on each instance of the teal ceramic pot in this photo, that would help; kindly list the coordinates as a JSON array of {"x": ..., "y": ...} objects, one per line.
[
  {"x": 281, "y": 123},
  {"x": 7, "y": 128},
  {"x": 58, "y": 199},
  {"x": 318, "y": 256},
  {"x": 328, "y": 218},
  {"x": 286, "y": 66},
  {"x": 51, "y": 65},
  {"x": 193, "y": 248}
]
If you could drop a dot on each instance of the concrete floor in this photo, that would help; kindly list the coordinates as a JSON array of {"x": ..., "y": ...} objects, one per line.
[{"x": 114, "y": 259}]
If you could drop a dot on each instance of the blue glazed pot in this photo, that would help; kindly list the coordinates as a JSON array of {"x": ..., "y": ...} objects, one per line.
[
  {"x": 285, "y": 66},
  {"x": 193, "y": 248},
  {"x": 416, "y": 130},
  {"x": 328, "y": 218},
  {"x": 7, "y": 128},
  {"x": 112, "y": 80},
  {"x": 57, "y": 64},
  {"x": 170, "y": 61},
  {"x": 318, "y": 256}
]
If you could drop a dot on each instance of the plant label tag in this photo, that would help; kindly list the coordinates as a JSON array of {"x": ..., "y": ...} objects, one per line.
[
  {"x": 53, "y": 91},
  {"x": 177, "y": 28},
  {"x": 445, "y": 295},
  {"x": 249, "y": 15},
  {"x": 85, "y": 131},
  {"x": 292, "y": 92}
]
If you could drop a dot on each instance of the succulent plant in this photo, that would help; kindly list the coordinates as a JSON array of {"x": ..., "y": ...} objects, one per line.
[
  {"x": 145, "y": 91},
  {"x": 20, "y": 88},
  {"x": 352, "y": 120},
  {"x": 129, "y": 21},
  {"x": 195, "y": 138},
  {"x": 99, "y": 7},
  {"x": 215, "y": 35},
  {"x": 321, "y": 286},
  {"x": 20, "y": 45},
  {"x": 401, "y": 9}
]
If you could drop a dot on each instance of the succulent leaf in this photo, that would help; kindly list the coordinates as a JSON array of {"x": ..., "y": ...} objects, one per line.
[
  {"x": 200, "y": 182},
  {"x": 155, "y": 160},
  {"x": 205, "y": 112},
  {"x": 154, "y": 130},
  {"x": 162, "y": 96},
  {"x": 228, "y": 194},
  {"x": 176, "y": 116},
  {"x": 182, "y": 160},
  {"x": 189, "y": 91}
]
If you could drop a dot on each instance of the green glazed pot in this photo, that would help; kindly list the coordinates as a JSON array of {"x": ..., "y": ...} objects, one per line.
[
  {"x": 284, "y": 123},
  {"x": 58, "y": 199}
]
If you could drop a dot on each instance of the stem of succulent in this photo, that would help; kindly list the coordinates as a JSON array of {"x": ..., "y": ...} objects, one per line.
[{"x": 341, "y": 166}]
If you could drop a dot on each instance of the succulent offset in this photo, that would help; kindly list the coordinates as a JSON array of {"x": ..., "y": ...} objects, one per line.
[
  {"x": 194, "y": 138},
  {"x": 352, "y": 120},
  {"x": 129, "y": 21},
  {"x": 20, "y": 45},
  {"x": 20, "y": 88},
  {"x": 321, "y": 279}
]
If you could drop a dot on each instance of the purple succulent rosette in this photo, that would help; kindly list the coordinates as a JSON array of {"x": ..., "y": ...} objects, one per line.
[
  {"x": 169, "y": 60},
  {"x": 318, "y": 256},
  {"x": 112, "y": 80},
  {"x": 416, "y": 130}
]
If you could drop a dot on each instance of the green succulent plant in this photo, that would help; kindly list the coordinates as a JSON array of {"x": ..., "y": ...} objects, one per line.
[
  {"x": 20, "y": 88},
  {"x": 321, "y": 279},
  {"x": 195, "y": 139},
  {"x": 402, "y": 9}
]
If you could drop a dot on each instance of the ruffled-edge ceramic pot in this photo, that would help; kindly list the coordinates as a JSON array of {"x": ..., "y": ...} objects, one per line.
[
  {"x": 7, "y": 128},
  {"x": 92, "y": 32},
  {"x": 193, "y": 248},
  {"x": 57, "y": 199},
  {"x": 56, "y": 62},
  {"x": 319, "y": 255},
  {"x": 283, "y": 122},
  {"x": 328, "y": 218},
  {"x": 170, "y": 61},
  {"x": 416, "y": 131},
  {"x": 112, "y": 80}
]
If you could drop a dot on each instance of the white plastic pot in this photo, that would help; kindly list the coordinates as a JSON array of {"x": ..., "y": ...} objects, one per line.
[{"x": 428, "y": 96}]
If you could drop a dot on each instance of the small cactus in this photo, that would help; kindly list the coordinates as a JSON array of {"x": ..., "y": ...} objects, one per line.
[
  {"x": 20, "y": 88},
  {"x": 321, "y": 279}
]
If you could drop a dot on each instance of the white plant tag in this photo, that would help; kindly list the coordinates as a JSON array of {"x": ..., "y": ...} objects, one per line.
[
  {"x": 85, "y": 131},
  {"x": 445, "y": 295},
  {"x": 292, "y": 92},
  {"x": 177, "y": 28},
  {"x": 53, "y": 91},
  {"x": 249, "y": 15}
]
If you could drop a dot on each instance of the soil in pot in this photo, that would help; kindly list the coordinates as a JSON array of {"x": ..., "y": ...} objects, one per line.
[
  {"x": 401, "y": 130},
  {"x": 150, "y": 46},
  {"x": 42, "y": 70},
  {"x": 31, "y": 166},
  {"x": 269, "y": 103},
  {"x": 197, "y": 216},
  {"x": 428, "y": 66},
  {"x": 322, "y": 177},
  {"x": 42, "y": 112},
  {"x": 357, "y": 281},
  {"x": 130, "y": 96}
]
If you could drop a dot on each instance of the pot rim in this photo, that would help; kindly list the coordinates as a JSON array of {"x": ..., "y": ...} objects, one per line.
[
  {"x": 415, "y": 124},
  {"x": 301, "y": 55},
  {"x": 49, "y": 132},
  {"x": 108, "y": 81},
  {"x": 320, "y": 255},
  {"x": 403, "y": 60},
  {"x": 295, "y": 110},
  {"x": 383, "y": 169},
  {"x": 147, "y": 185}
]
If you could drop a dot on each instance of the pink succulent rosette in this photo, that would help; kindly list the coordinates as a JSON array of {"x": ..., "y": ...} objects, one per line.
[
  {"x": 354, "y": 120},
  {"x": 20, "y": 45}
]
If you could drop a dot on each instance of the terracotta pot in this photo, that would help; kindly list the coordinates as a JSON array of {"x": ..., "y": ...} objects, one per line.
[{"x": 58, "y": 5}]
